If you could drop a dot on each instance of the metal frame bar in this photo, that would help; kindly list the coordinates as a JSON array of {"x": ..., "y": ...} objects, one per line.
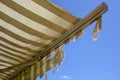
[{"x": 84, "y": 23}]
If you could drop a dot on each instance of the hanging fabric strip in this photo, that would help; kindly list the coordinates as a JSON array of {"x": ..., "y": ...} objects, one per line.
[
  {"x": 35, "y": 71},
  {"x": 22, "y": 76},
  {"x": 25, "y": 73},
  {"x": 58, "y": 57},
  {"x": 28, "y": 73},
  {"x": 19, "y": 77},
  {"x": 98, "y": 27},
  {"x": 44, "y": 65},
  {"x": 67, "y": 41},
  {"x": 32, "y": 72},
  {"x": 38, "y": 68},
  {"x": 81, "y": 32},
  {"x": 53, "y": 62}
]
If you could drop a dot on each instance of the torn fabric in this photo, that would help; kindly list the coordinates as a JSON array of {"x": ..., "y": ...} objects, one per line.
[
  {"x": 42, "y": 66},
  {"x": 98, "y": 27}
]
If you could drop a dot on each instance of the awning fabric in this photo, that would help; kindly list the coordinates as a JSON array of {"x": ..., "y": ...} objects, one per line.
[
  {"x": 42, "y": 66},
  {"x": 28, "y": 27}
]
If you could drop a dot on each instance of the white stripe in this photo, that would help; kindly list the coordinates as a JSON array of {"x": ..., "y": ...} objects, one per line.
[
  {"x": 38, "y": 68},
  {"x": 1, "y": 52},
  {"x": 36, "y": 48},
  {"x": 44, "y": 64},
  {"x": 4, "y": 75},
  {"x": 12, "y": 52},
  {"x": 28, "y": 22},
  {"x": 8, "y": 59},
  {"x": 23, "y": 78},
  {"x": 22, "y": 33},
  {"x": 41, "y": 11},
  {"x": 32, "y": 73},
  {"x": 52, "y": 61},
  {"x": 11, "y": 71},
  {"x": 6, "y": 72},
  {"x": 15, "y": 48},
  {"x": 2, "y": 67}
]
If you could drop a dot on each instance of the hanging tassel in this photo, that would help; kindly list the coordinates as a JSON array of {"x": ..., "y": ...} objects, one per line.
[
  {"x": 95, "y": 35},
  {"x": 38, "y": 68},
  {"x": 44, "y": 64},
  {"x": 74, "y": 38},
  {"x": 47, "y": 62},
  {"x": 78, "y": 34},
  {"x": 67, "y": 41},
  {"x": 59, "y": 56},
  {"x": 97, "y": 28}
]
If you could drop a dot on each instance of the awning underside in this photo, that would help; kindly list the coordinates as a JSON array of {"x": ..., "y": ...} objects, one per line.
[{"x": 29, "y": 28}]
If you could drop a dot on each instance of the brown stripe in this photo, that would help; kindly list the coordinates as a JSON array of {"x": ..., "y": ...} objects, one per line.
[
  {"x": 29, "y": 74},
  {"x": 33, "y": 16},
  {"x": 35, "y": 68},
  {"x": 24, "y": 27},
  {"x": 15, "y": 50},
  {"x": 48, "y": 62},
  {"x": 1, "y": 77},
  {"x": 32, "y": 72},
  {"x": 7, "y": 73},
  {"x": 48, "y": 67},
  {"x": 41, "y": 68},
  {"x": 11, "y": 58},
  {"x": 3, "y": 65},
  {"x": 18, "y": 46},
  {"x": 21, "y": 38},
  {"x": 7, "y": 62},
  {"x": 22, "y": 58},
  {"x": 76, "y": 21},
  {"x": 59, "y": 12},
  {"x": 26, "y": 75},
  {"x": 4, "y": 76}
]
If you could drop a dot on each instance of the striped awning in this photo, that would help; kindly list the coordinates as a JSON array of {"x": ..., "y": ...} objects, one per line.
[{"x": 28, "y": 28}]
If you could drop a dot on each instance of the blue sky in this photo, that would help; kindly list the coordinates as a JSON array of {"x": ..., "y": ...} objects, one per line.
[{"x": 86, "y": 59}]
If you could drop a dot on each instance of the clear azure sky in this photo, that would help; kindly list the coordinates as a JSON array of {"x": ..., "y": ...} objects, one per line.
[{"x": 86, "y": 59}]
